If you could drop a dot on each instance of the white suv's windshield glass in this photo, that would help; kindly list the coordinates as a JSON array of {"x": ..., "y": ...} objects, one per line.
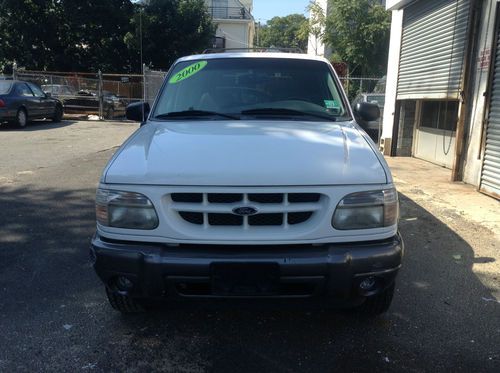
[{"x": 250, "y": 88}]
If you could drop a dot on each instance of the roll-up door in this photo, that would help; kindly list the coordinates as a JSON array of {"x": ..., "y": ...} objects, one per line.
[
  {"x": 490, "y": 176},
  {"x": 432, "y": 50}
]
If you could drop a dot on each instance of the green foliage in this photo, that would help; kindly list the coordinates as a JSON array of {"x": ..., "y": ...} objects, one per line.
[
  {"x": 93, "y": 31},
  {"x": 284, "y": 32},
  {"x": 358, "y": 32},
  {"x": 171, "y": 29},
  {"x": 88, "y": 35},
  {"x": 315, "y": 27},
  {"x": 24, "y": 26}
]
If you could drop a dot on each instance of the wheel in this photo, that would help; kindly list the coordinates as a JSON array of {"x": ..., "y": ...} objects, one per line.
[
  {"x": 377, "y": 304},
  {"x": 123, "y": 303},
  {"x": 21, "y": 118},
  {"x": 110, "y": 113},
  {"x": 58, "y": 114}
]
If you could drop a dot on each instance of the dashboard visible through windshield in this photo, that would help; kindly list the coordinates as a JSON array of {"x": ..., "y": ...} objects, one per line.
[{"x": 251, "y": 88}]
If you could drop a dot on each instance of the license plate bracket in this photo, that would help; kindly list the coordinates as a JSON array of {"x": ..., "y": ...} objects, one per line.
[{"x": 245, "y": 279}]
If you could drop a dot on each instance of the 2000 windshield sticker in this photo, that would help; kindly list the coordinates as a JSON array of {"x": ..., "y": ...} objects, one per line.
[{"x": 188, "y": 72}]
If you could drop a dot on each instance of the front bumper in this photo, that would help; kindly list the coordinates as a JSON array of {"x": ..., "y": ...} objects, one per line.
[
  {"x": 327, "y": 272},
  {"x": 7, "y": 115}
]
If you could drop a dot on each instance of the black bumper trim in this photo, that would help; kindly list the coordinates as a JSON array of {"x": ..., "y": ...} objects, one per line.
[{"x": 156, "y": 269}]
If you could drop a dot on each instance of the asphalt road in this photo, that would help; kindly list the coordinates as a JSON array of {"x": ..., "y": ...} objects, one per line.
[{"x": 54, "y": 315}]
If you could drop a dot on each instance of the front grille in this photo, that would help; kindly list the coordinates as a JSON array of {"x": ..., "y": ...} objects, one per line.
[
  {"x": 192, "y": 217},
  {"x": 266, "y": 198},
  {"x": 272, "y": 209},
  {"x": 266, "y": 219},
  {"x": 224, "y": 219},
  {"x": 223, "y": 197},
  {"x": 187, "y": 197},
  {"x": 298, "y": 217}
]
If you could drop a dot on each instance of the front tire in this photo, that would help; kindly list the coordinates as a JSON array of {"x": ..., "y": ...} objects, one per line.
[
  {"x": 21, "y": 118},
  {"x": 58, "y": 114},
  {"x": 377, "y": 304},
  {"x": 123, "y": 303}
]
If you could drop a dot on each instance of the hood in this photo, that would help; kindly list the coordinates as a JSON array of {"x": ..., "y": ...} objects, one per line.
[{"x": 246, "y": 153}]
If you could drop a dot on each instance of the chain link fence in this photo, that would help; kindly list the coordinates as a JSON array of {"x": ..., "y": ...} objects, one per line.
[
  {"x": 88, "y": 95},
  {"x": 153, "y": 80},
  {"x": 354, "y": 86}
]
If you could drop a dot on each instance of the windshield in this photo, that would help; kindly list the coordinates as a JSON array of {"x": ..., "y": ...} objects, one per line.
[
  {"x": 255, "y": 88},
  {"x": 4, "y": 87}
]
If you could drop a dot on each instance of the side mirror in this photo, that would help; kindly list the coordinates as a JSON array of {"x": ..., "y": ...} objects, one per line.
[
  {"x": 367, "y": 111},
  {"x": 138, "y": 111},
  {"x": 48, "y": 94}
]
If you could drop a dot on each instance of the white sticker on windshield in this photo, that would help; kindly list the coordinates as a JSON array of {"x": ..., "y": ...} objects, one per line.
[{"x": 331, "y": 104}]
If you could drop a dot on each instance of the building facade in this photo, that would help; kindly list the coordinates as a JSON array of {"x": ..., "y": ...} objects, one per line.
[
  {"x": 235, "y": 23},
  {"x": 443, "y": 87}
]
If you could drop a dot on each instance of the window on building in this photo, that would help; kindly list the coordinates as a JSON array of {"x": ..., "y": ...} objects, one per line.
[
  {"x": 406, "y": 111},
  {"x": 439, "y": 115},
  {"x": 219, "y": 42}
]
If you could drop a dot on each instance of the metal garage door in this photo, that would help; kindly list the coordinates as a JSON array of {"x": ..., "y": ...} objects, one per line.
[
  {"x": 490, "y": 176},
  {"x": 432, "y": 50}
]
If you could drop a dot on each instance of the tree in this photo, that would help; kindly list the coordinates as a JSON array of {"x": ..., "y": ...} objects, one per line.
[
  {"x": 170, "y": 29},
  {"x": 94, "y": 32},
  {"x": 358, "y": 32},
  {"x": 315, "y": 27},
  {"x": 27, "y": 33},
  {"x": 70, "y": 35},
  {"x": 284, "y": 32},
  {"x": 88, "y": 35}
]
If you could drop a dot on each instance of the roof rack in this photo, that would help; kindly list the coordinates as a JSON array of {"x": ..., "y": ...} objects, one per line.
[{"x": 258, "y": 49}]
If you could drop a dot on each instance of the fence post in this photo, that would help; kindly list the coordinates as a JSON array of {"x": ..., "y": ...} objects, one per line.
[
  {"x": 14, "y": 70},
  {"x": 144, "y": 81},
  {"x": 144, "y": 88},
  {"x": 101, "y": 101}
]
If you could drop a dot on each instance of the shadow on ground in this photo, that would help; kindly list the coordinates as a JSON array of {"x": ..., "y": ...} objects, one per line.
[
  {"x": 36, "y": 125},
  {"x": 54, "y": 316}
]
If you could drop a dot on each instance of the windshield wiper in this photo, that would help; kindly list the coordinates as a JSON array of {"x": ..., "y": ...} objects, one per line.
[
  {"x": 194, "y": 113},
  {"x": 283, "y": 111}
]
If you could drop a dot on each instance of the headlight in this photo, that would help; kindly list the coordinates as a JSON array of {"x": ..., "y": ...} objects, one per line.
[
  {"x": 125, "y": 210},
  {"x": 364, "y": 210}
]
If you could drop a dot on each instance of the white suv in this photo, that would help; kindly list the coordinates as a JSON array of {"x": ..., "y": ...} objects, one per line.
[{"x": 249, "y": 179}]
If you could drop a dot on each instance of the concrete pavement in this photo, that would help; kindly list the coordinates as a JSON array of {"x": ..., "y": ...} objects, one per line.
[{"x": 54, "y": 315}]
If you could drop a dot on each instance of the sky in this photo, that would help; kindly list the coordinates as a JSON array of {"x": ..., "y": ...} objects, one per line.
[{"x": 264, "y": 10}]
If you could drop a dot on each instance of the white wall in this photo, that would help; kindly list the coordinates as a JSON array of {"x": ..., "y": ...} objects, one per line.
[
  {"x": 247, "y": 4},
  {"x": 392, "y": 73},
  {"x": 236, "y": 33},
  {"x": 473, "y": 152}
]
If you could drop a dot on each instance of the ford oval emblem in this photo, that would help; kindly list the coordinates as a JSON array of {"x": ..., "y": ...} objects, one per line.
[{"x": 245, "y": 211}]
